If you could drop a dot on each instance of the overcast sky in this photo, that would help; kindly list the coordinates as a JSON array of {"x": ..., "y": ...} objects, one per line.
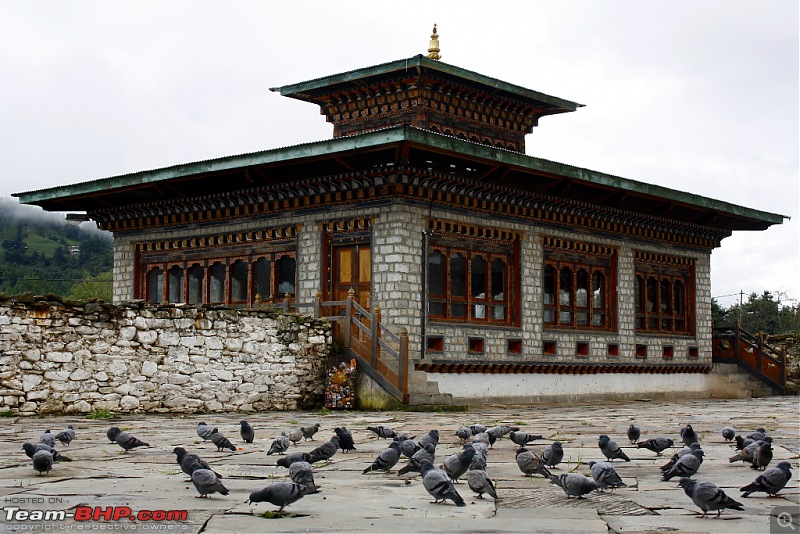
[{"x": 698, "y": 96}]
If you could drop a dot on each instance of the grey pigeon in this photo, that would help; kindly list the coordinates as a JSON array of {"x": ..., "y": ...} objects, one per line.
[
  {"x": 481, "y": 453},
  {"x": 309, "y": 431},
  {"x": 529, "y": 463},
  {"x": 477, "y": 429},
  {"x": 289, "y": 459},
  {"x": 386, "y": 459},
  {"x": 770, "y": 481},
  {"x": 728, "y": 433},
  {"x": 206, "y": 481},
  {"x": 741, "y": 442},
  {"x": 279, "y": 445},
  {"x": 707, "y": 496},
  {"x": 295, "y": 435},
  {"x": 204, "y": 431},
  {"x": 501, "y": 430},
  {"x": 688, "y": 435},
  {"x": 483, "y": 437},
  {"x": 31, "y": 449},
  {"x": 383, "y": 432},
  {"x": 574, "y": 484},
  {"x": 67, "y": 435},
  {"x": 633, "y": 433},
  {"x": 324, "y": 452},
  {"x": 523, "y": 438},
  {"x": 479, "y": 482},
  {"x": 464, "y": 433},
  {"x": 684, "y": 451},
  {"x": 113, "y": 431},
  {"x": 610, "y": 449},
  {"x": 605, "y": 475},
  {"x": 221, "y": 441},
  {"x": 746, "y": 454},
  {"x": 125, "y": 440},
  {"x": 280, "y": 494},
  {"x": 346, "y": 442},
  {"x": 457, "y": 464},
  {"x": 302, "y": 473},
  {"x": 408, "y": 447},
  {"x": 431, "y": 437},
  {"x": 187, "y": 461},
  {"x": 428, "y": 452},
  {"x": 757, "y": 434},
  {"x": 48, "y": 438},
  {"x": 438, "y": 484},
  {"x": 553, "y": 454},
  {"x": 42, "y": 461},
  {"x": 657, "y": 444},
  {"x": 762, "y": 456},
  {"x": 686, "y": 466},
  {"x": 246, "y": 431}
]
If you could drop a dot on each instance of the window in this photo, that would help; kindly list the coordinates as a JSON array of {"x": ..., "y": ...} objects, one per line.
[
  {"x": 662, "y": 291},
  {"x": 575, "y": 292},
  {"x": 195, "y": 285},
  {"x": 175, "y": 283},
  {"x": 239, "y": 286},
  {"x": 155, "y": 285},
  {"x": 217, "y": 285},
  {"x": 470, "y": 280}
]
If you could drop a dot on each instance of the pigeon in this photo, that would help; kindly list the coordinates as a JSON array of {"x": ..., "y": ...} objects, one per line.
[
  {"x": 302, "y": 473},
  {"x": 221, "y": 441},
  {"x": 31, "y": 449},
  {"x": 187, "y": 460},
  {"x": 610, "y": 449},
  {"x": 430, "y": 437},
  {"x": 553, "y": 454},
  {"x": 688, "y": 435},
  {"x": 66, "y": 436},
  {"x": 482, "y": 437},
  {"x": 280, "y": 494},
  {"x": 204, "y": 431},
  {"x": 770, "y": 481},
  {"x": 529, "y": 463},
  {"x": 438, "y": 484},
  {"x": 280, "y": 445},
  {"x": 247, "y": 432},
  {"x": 728, "y": 433},
  {"x": 125, "y": 440},
  {"x": 501, "y": 430},
  {"x": 762, "y": 456},
  {"x": 477, "y": 429},
  {"x": 383, "y": 432},
  {"x": 324, "y": 452},
  {"x": 42, "y": 461},
  {"x": 289, "y": 459},
  {"x": 308, "y": 433},
  {"x": 707, "y": 496},
  {"x": 386, "y": 459},
  {"x": 686, "y": 466},
  {"x": 111, "y": 433},
  {"x": 48, "y": 438},
  {"x": 686, "y": 450},
  {"x": 657, "y": 444},
  {"x": 428, "y": 453},
  {"x": 464, "y": 433},
  {"x": 746, "y": 454},
  {"x": 574, "y": 484},
  {"x": 481, "y": 453},
  {"x": 479, "y": 482},
  {"x": 408, "y": 447},
  {"x": 206, "y": 481},
  {"x": 523, "y": 438},
  {"x": 295, "y": 435},
  {"x": 457, "y": 464},
  {"x": 346, "y": 442},
  {"x": 633, "y": 434},
  {"x": 605, "y": 476},
  {"x": 741, "y": 442},
  {"x": 757, "y": 434}
]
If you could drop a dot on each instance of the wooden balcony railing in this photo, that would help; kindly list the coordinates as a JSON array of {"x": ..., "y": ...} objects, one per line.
[{"x": 751, "y": 353}]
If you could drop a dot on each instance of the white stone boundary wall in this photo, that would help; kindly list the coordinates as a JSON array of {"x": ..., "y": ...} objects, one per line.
[{"x": 75, "y": 357}]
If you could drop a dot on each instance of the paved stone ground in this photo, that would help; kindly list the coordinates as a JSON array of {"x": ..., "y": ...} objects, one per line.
[{"x": 149, "y": 478}]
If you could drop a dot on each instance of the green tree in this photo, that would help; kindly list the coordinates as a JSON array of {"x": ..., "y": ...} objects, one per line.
[
  {"x": 93, "y": 287},
  {"x": 766, "y": 313}
]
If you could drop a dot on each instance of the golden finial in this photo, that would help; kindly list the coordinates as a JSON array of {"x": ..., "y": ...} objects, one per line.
[{"x": 433, "y": 49}]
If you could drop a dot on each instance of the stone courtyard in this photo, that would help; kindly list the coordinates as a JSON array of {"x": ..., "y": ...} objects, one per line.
[{"x": 101, "y": 475}]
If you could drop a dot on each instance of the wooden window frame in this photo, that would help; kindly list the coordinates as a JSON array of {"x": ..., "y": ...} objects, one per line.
[{"x": 666, "y": 315}]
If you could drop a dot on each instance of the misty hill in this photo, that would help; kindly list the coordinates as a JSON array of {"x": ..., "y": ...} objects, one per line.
[{"x": 40, "y": 253}]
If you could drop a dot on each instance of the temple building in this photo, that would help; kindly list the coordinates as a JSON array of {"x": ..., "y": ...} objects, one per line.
[{"x": 505, "y": 276}]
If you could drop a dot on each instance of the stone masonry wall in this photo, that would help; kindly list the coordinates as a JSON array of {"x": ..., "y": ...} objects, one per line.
[{"x": 74, "y": 357}]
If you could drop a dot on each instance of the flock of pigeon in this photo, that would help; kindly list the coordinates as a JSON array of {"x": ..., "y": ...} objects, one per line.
[{"x": 470, "y": 462}]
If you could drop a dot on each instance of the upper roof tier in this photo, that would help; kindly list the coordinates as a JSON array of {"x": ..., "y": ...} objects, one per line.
[{"x": 429, "y": 95}]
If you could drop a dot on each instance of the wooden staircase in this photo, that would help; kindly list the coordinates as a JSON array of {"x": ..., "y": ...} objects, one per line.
[{"x": 752, "y": 354}]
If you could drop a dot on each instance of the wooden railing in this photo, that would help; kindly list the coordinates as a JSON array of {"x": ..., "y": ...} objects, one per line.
[
  {"x": 751, "y": 353},
  {"x": 380, "y": 353}
]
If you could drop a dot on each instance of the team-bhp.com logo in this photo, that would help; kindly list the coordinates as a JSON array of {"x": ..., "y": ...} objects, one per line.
[{"x": 19, "y": 519}]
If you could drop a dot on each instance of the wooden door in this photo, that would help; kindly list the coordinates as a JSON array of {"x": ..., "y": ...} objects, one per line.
[{"x": 351, "y": 267}]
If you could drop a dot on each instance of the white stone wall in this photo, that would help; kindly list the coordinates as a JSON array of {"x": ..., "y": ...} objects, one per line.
[{"x": 73, "y": 358}]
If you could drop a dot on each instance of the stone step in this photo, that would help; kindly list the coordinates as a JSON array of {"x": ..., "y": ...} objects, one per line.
[{"x": 440, "y": 399}]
